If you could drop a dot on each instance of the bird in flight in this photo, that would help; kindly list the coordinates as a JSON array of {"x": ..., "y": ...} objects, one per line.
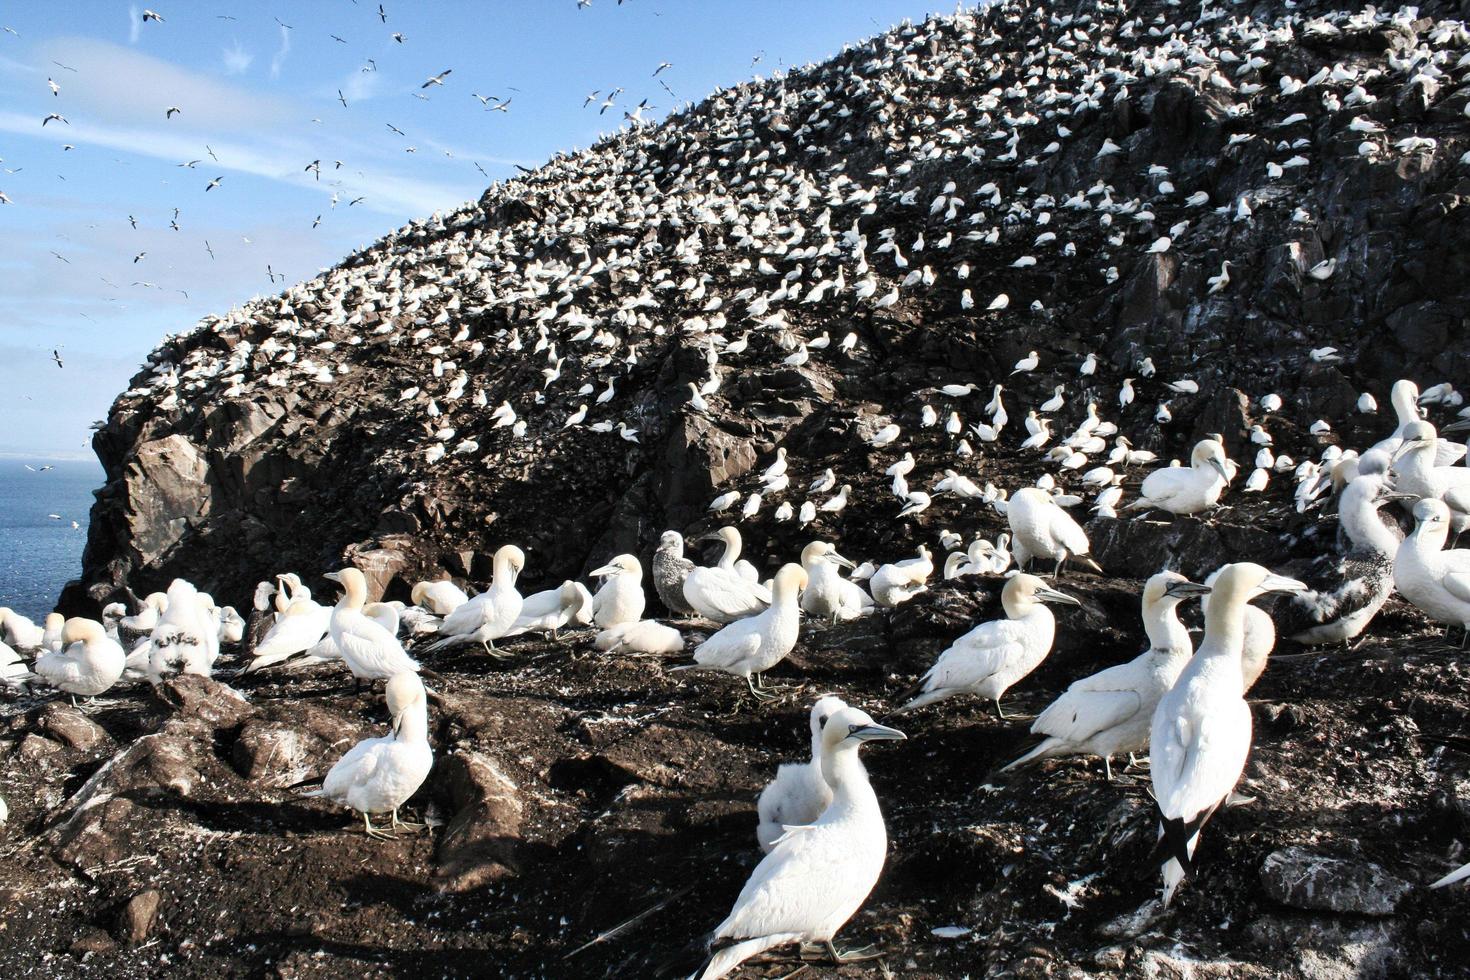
[
  {"x": 55, "y": 89},
  {"x": 661, "y": 66},
  {"x": 502, "y": 107},
  {"x": 484, "y": 99},
  {"x": 171, "y": 111},
  {"x": 342, "y": 99},
  {"x": 5, "y": 198},
  {"x": 151, "y": 15},
  {"x": 138, "y": 257},
  {"x": 132, "y": 221},
  {"x": 398, "y": 38},
  {"x": 316, "y": 167},
  {"x": 56, "y": 356},
  {"x": 382, "y": 14},
  {"x": 208, "y": 249},
  {"x": 54, "y": 115},
  {"x": 437, "y": 79},
  {"x": 336, "y": 38},
  {"x": 213, "y": 184},
  {"x": 395, "y": 129},
  {"x": 189, "y": 164}
]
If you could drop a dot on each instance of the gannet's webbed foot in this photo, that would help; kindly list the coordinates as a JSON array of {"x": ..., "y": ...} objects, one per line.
[
  {"x": 397, "y": 824},
  {"x": 756, "y": 693},
  {"x": 374, "y": 832},
  {"x": 1236, "y": 799},
  {"x": 869, "y": 952},
  {"x": 999, "y": 711}
]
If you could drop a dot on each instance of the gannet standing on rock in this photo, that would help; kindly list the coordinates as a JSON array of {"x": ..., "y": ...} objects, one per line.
[
  {"x": 549, "y": 611},
  {"x": 827, "y": 593},
  {"x": 1416, "y": 472},
  {"x": 994, "y": 655},
  {"x": 1258, "y": 637},
  {"x": 440, "y": 598},
  {"x": 1201, "y": 731},
  {"x": 620, "y": 600},
  {"x": 898, "y": 582},
  {"x": 1435, "y": 580},
  {"x": 369, "y": 650},
  {"x": 89, "y": 663},
  {"x": 1405, "y": 399},
  {"x": 800, "y": 792},
  {"x": 490, "y": 615},
  {"x": 1110, "y": 712},
  {"x": 1041, "y": 529},
  {"x": 670, "y": 569},
  {"x": 1187, "y": 490},
  {"x": 378, "y": 775},
  {"x": 817, "y": 876},
  {"x": 722, "y": 594},
  {"x": 757, "y": 643}
]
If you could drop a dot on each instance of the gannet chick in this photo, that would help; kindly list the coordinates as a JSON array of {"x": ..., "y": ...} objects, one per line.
[
  {"x": 1201, "y": 730},
  {"x": 1041, "y": 529},
  {"x": 440, "y": 598},
  {"x": 757, "y": 643},
  {"x": 378, "y": 775},
  {"x": 1435, "y": 580},
  {"x": 644, "y": 636},
  {"x": 549, "y": 611},
  {"x": 1110, "y": 712},
  {"x": 89, "y": 663},
  {"x": 488, "y": 616},
  {"x": 620, "y": 600},
  {"x": 815, "y": 877},
  {"x": 1348, "y": 590},
  {"x": 19, "y": 631},
  {"x": 369, "y": 650},
  {"x": 1187, "y": 490},
  {"x": 670, "y": 569},
  {"x": 722, "y": 594},
  {"x": 184, "y": 641},
  {"x": 799, "y": 793},
  {"x": 896, "y": 583},
  {"x": 827, "y": 593},
  {"x": 995, "y": 655}
]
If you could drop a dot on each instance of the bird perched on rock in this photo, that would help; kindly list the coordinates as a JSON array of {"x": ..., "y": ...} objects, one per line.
[
  {"x": 1109, "y": 713},
  {"x": 750, "y": 646},
  {"x": 184, "y": 641},
  {"x": 898, "y": 582},
  {"x": 670, "y": 569},
  {"x": 1187, "y": 490},
  {"x": 1041, "y": 529},
  {"x": 620, "y": 600},
  {"x": 88, "y": 664},
  {"x": 1434, "y": 579},
  {"x": 827, "y": 593},
  {"x": 799, "y": 793},
  {"x": 440, "y": 598},
  {"x": 722, "y": 594},
  {"x": 643, "y": 636},
  {"x": 995, "y": 655},
  {"x": 491, "y": 614},
  {"x": 549, "y": 611},
  {"x": 370, "y": 651}
]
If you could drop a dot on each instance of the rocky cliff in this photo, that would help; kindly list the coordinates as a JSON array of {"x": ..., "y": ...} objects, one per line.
[{"x": 934, "y": 204}]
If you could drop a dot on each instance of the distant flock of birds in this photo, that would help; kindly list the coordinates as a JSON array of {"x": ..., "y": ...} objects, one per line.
[{"x": 819, "y": 821}]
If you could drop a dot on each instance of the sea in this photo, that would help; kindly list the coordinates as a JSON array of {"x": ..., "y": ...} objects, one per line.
[{"x": 43, "y": 529}]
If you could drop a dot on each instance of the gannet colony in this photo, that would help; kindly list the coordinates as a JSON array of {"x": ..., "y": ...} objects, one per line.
[{"x": 1055, "y": 409}]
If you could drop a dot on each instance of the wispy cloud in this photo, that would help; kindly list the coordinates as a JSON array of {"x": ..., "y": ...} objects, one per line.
[
  {"x": 135, "y": 24},
  {"x": 237, "y": 59},
  {"x": 279, "y": 58}
]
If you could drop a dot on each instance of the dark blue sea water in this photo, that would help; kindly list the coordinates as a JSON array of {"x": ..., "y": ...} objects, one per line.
[{"x": 39, "y": 553}]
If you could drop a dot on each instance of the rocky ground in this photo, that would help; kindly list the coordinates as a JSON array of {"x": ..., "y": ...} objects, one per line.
[{"x": 157, "y": 832}]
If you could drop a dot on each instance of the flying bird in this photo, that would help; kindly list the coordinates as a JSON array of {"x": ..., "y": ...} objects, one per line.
[
  {"x": 151, "y": 15},
  {"x": 54, "y": 115},
  {"x": 213, "y": 184},
  {"x": 55, "y": 89},
  {"x": 171, "y": 111},
  {"x": 56, "y": 356},
  {"x": 661, "y": 66},
  {"x": 437, "y": 79}
]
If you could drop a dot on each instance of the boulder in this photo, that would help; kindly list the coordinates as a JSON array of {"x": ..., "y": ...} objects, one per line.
[{"x": 1297, "y": 877}]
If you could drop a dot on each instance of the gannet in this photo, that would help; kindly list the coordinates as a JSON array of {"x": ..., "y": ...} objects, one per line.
[
  {"x": 19, "y": 631},
  {"x": 1348, "y": 590},
  {"x": 369, "y": 650},
  {"x": 89, "y": 664},
  {"x": 13, "y": 670},
  {"x": 1201, "y": 730},
  {"x": 827, "y": 593},
  {"x": 1435, "y": 580},
  {"x": 549, "y": 611},
  {"x": 299, "y": 630},
  {"x": 184, "y": 641},
  {"x": 1041, "y": 529},
  {"x": 722, "y": 594},
  {"x": 1109, "y": 713},
  {"x": 488, "y": 616},
  {"x": 730, "y": 559},
  {"x": 670, "y": 569},
  {"x": 51, "y": 632},
  {"x": 1404, "y": 396},
  {"x": 817, "y": 876},
  {"x": 1187, "y": 490},
  {"x": 1416, "y": 472},
  {"x": 644, "y": 636},
  {"x": 898, "y": 582},
  {"x": 620, "y": 600},
  {"x": 378, "y": 775},
  {"x": 799, "y": 793},
  {"x": 991, "y": 657},
  {"x": 146, "y": 618},
  {"x": 440, "y": 598},
  {"x": 757, "y": 643}
]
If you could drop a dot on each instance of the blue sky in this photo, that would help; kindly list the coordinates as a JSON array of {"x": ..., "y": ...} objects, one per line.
[{"x": 257, "y": 86}]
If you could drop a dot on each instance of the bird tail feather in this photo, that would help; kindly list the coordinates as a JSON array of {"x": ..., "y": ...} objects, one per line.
[
  {"x": 730, "y": 957},
  {"x": 1043, "y": 749}
]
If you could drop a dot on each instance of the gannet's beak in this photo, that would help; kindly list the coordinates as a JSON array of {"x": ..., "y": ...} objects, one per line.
[
  {"x": 1387, "y": 495},
  {"x": 875, "y": 733},
  {"x": 1408, "y": 444},
  {"x": 334, "y": 576},
  {"x": 844, "y": 562},
  {"x": 1460, "y": 426},
  {"x": 605, "y": 570},
  {"x": 1185, "y": 590},
  {"x": 1280, "y": 583},
  {"x": 1220, "y": 468},
  {"x": 397, "y": 723},
  {"x": 1052, "y": 595}
]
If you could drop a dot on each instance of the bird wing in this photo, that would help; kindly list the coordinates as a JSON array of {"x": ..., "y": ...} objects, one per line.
[
  {"x": 354, "y": 768},
  {"x": 294, "y": 634},
  {"x": 1201, "y": 759},
  {"x": 1093, "y": 704},
  {"x": 737, "y": 642},
  {"x": 976, "y": 655},
  {"x": 1457, "y": 498},
  {"x": 724, "y": 591},
  {"x": 364, "y": 641},
  {"x": 789, "y": 891},
  {"x": 1458, "y": 585},
  {"x": 1161, "y": 486},
  {"x": 1068, "y": 532},
  {"x": 60, "y": 667},
  {"x": 468, "y": 617}
]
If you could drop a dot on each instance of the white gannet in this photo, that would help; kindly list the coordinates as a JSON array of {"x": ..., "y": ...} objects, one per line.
[
  {"x": 1434, "y": 579},
  {"x": 1041, "y": 529},
  {"x": 723, "y": 594},
  {"x": 1201, "y": 730},
  {"x": 1404, "y": 397},
  {"x": 827, "y": 593},
  {"x": 440, "y": 598},
  {"x": 1346, "y": 591},
  {"x": 670, "y": 569},
  {"x": 51, "y": 632},
  {"x": 1258, "y": 636},
  {"x": 369, "y": 650},
  {"x": 19, "y": 631},
  {"x": 898, "y": 582},
  {"x": 378, "y": 775},
  {"x": 799, "y": 793},
  {"x": 1416, "y": 472},
  {"x": 620, "y": 600},
  {"x": 13, "y": 670},
  {"x": 757, "y": 643},
  {"x": 1187, "y": 490},
  {"x": 488, "y": 616},
  {"x": 816, "y": 876},
  {"x": 88, "y": 664},
  {"x": 991, "y": 657},
  {"x": 184, "y": 641},
  {"x": 146, "y": 618},
  {"x": 644, "y": 636},
  {"x": 549, "y": 611},
  {"x": 299, "y": 630},
  {"x": 1109, "y": 713}
]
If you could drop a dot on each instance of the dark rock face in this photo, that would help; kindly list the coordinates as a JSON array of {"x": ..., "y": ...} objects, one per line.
[{"x": 1297, "y": 877}]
